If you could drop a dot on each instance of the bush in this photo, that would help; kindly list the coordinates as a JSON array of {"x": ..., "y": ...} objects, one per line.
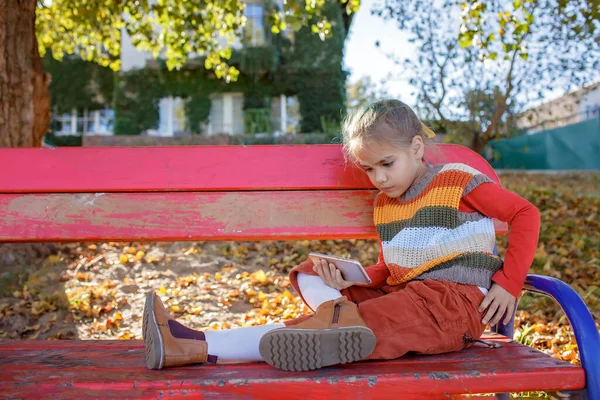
[{"x": 62, "y": 141}]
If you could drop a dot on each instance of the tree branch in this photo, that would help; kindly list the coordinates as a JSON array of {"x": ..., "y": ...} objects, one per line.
[{"x": 490, "y": 132}]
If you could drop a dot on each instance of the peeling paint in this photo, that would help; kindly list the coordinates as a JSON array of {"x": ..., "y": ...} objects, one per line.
[
  {"x": 438, "y": 375},
  {"x": 186, "y": 216},
  {"x": 90, "y": 369},
  {"x": 96, "y": 196},
  {"x": 239, "y": 382}
]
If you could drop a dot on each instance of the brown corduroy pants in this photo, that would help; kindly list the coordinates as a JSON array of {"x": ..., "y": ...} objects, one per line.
[{"x": 424, "y": 317}]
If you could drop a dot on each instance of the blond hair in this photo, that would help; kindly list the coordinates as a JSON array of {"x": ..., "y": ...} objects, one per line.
[{"x": 391, "y": 121}]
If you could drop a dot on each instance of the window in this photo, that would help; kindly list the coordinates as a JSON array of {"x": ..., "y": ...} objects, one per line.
[
  {"x": 172, "y": 119},
  {"x": 106, "y": 119},
  {"x": 255, "y": 29},
  {"x": 84, "y": 122},
  {"x": 63, "y": 125},
  {"x": 226, "y": 114},
  {"x": 179, "y": 117}
]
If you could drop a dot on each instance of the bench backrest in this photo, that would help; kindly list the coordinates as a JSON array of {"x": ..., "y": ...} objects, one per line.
[{"x": 191, "y": 193}]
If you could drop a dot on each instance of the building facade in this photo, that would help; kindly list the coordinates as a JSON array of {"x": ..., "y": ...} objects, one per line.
[
  {"x": 573, "y": 107},
  {"x": 272, "y": 95}
]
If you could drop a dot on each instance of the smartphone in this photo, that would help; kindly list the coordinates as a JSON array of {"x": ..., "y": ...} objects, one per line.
[{"x": 351, "y": 269}]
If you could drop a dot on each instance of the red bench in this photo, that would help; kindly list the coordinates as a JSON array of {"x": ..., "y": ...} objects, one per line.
[{"x": 241, "y": 193}]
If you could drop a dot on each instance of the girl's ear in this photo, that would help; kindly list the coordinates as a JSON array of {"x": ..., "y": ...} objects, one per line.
[{"x": 418, "y": 147}]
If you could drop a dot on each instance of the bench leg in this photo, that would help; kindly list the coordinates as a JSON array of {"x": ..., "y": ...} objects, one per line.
[{"x": 584, "y": 327}]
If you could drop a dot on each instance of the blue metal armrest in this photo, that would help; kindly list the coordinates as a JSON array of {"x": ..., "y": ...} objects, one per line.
[{"x": 584, "y": 328}]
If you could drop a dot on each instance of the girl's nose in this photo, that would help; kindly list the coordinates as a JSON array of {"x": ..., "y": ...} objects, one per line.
[{"x": 380, "y": 177}]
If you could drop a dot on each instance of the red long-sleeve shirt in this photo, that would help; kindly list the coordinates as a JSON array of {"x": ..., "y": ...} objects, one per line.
[{"x": 496, "y": 202}]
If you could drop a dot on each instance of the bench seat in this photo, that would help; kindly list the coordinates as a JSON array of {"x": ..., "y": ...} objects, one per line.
[
  {"x": 116, "y": 369},
  {"x": 243, "y": 193}
]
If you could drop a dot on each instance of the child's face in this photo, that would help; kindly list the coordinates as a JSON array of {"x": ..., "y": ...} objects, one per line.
[{"x": 392, "y": 169}]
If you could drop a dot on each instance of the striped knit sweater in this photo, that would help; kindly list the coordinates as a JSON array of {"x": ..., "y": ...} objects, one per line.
[{"x": 425, "y": 236}]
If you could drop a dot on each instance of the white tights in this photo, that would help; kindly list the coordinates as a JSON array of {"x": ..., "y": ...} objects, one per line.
[{"x": 241, "y": 344}]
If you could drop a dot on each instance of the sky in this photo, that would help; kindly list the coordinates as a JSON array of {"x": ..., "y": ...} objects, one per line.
[{"x": 363, "y": 58}]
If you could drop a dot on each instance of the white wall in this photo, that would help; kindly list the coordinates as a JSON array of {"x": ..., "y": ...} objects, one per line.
[{"x": 568, "y": 109}]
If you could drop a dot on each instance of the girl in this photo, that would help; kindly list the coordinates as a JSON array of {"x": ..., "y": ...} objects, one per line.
[{"x": 436, "y": 284}]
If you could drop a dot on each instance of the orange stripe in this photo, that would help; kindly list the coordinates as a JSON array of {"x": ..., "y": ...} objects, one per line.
[
  {"x": 396, "y": 278},
  {"x": 392, "y": 211},
  {"x": 448, "y": 178},
  {"x": 400, "y": 274}
]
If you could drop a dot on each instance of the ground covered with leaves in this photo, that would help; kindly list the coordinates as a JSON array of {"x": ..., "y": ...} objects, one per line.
[{"x": 96, "y": 291}]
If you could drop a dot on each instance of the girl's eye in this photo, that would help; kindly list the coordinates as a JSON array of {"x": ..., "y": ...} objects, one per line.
[
  {"x": 368, "y": 169},
  {"x": 388, "y": 164}
]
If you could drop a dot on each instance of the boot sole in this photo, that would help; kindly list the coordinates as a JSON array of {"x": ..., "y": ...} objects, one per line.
[
  {"x": 308, "y": 349},
  {"x": 152, "y": 337}
]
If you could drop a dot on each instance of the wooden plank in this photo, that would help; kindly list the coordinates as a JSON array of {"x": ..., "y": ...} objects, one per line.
[
  {"x": 187, "y": 216},
  {"x": 184, "y": 216},
  {"x": 194, "y": 168},
  {"x": 116, "y": 369}
]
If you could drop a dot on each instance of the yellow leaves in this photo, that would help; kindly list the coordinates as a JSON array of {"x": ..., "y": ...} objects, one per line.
[
  {"x": 125, "y": 336},
  {"x": 111, "y": 323},
  {"x": 30, "y": 329},
  {"x": 51, "y": 260},
  {"x": 259, "y": 277},
  {"x": 191, "y": 250},
  {"x": 546, "y": 335},
  {"x": 194, "y": 310},
  {"x": 186, "y": 281},
  {"x": 92, "y": 301},
  {"x": 123, "y": 259},
  {"x": 41, "y": 307},
  {"x": 151, "y": 260},
  {"x": 288, "y": 296},
  {"x": 81, "y": 276}
]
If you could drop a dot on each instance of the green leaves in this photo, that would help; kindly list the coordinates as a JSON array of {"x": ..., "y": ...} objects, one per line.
[
  {"x": 575, "y": 20},
  {"x": 170, "y": 29},
  {"x": 478, "y": 28}
]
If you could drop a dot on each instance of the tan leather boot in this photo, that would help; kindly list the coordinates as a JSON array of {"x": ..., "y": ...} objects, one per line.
[
  {"x": 335, "y": 334},
  {"x": 168, "y": 343}
]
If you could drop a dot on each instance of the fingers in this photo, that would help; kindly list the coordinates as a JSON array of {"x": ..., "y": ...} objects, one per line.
[
  {"x": 326, "y": 273},
  {"x": 500, "y": 311},
  {"x": 342, "y": 283},
  {"x": 491, "y": 311},
  {"x": 509, "y": 313},
  {"x": 319, "y": 268},
  {"x": 485, "y": 303},
  {"x": 329, "y": 272},
  {"x": 330, "y": 275},
  {"x": 504, "y": 309}
]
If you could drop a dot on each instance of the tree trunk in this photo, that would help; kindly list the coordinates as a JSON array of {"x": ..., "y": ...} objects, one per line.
[
  {"x": 24, "y": 95},
  {"x": 477, "y": 144}
]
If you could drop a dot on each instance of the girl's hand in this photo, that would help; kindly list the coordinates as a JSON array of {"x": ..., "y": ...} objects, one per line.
[
  {"x": 331, "y": 275},
  {"x": 498, "y": 303}
]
